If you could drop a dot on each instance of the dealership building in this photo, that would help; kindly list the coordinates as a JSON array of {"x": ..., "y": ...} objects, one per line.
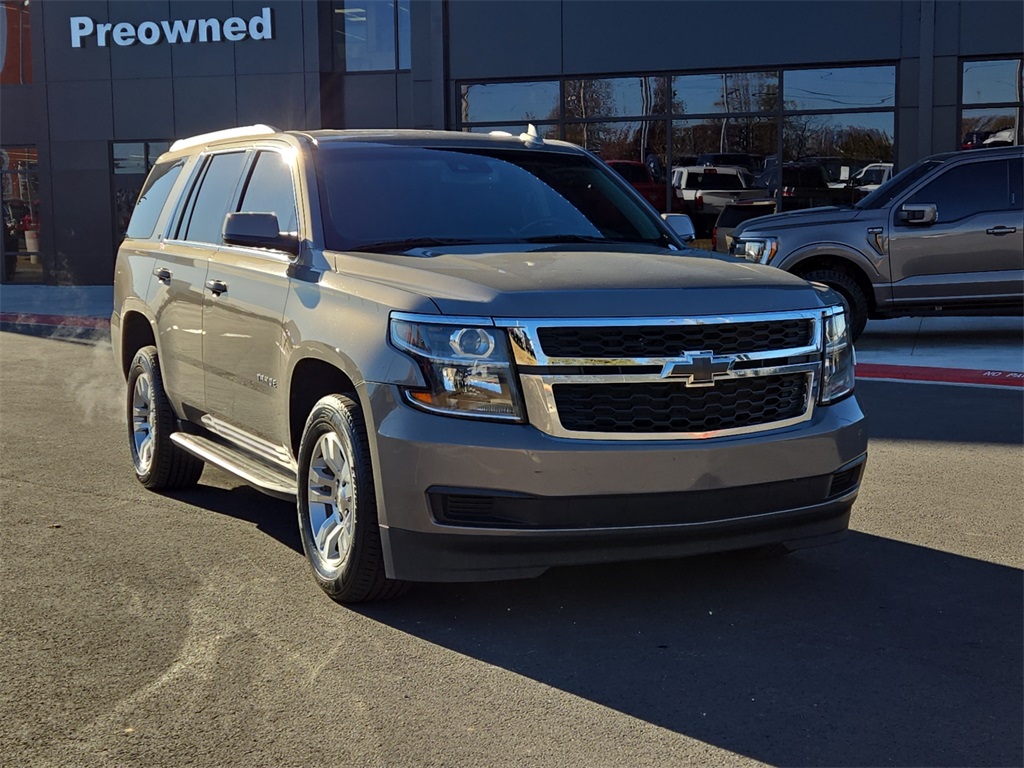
[{"x": 93, "y": 91}]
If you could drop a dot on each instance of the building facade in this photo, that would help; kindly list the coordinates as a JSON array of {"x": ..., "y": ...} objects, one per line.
[{"x": 93, "y": 90}]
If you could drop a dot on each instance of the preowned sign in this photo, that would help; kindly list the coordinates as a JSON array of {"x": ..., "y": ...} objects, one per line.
[{"x": 234, "y": 29}]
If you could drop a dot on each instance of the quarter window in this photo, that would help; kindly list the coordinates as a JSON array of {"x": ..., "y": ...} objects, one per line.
[{"x": 151, "y": 201}]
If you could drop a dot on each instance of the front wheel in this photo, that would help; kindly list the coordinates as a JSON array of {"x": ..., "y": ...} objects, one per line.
[
  {"x": 160, "y": 464},
  {"x": 337, "y": 505},
  {"x": 847, "y": 287}
]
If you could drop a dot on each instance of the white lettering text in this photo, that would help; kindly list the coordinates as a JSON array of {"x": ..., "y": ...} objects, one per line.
[{"x": 124, "y": 34}]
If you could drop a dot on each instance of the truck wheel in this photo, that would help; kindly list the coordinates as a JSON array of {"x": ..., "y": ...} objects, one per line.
[
  {"x": 850, "y": 290},
  {"x": 159, "y": 463},
  {"x": 337, "y": 505}
]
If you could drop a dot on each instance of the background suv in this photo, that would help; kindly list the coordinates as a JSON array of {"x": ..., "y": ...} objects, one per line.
[{"x": 944, "y": 236}]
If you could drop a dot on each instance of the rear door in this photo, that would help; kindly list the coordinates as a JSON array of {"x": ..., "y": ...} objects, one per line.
[
  {"x": 180, "y": 270},
  {"x": 974, "y": 251},
  {"x": 246, "y": 291}
]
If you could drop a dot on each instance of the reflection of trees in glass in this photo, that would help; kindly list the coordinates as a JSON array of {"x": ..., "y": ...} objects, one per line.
[
  {"x": 991, "y": 121},
  {"x": 816, "y": 135},
  {"x": 597, "y": 98},
  {"x": 642, "y": 140}
]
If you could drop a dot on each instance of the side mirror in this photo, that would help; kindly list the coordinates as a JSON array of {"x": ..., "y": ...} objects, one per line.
[
  {"x": 680, "y": 224},
  {"x": 918, "y": 213},
  {"x": 258, "y": 230}
]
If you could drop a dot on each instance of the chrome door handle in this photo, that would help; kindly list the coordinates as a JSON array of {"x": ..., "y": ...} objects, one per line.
[
  {"x": 1001, "y": 231},
  {"x": 163, "y": 274},
  {"x": 217, "y": 286}
]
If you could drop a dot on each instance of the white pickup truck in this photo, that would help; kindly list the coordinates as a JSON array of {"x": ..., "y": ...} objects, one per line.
[{"x": 702, "y": 191}]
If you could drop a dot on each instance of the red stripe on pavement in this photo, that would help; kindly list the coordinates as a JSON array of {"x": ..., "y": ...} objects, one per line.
[
  {"x": 940, "y": 375},
  {"x": 54, "y": 320}
]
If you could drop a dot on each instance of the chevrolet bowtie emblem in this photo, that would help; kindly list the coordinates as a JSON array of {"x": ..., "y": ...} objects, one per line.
[{"x": 697, "y": 368}]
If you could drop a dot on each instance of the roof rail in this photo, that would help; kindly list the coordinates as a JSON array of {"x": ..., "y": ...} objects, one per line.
[{"x": 228, "y": 133}]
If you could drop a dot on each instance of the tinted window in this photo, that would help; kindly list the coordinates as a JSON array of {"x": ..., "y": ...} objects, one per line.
[
  {"x": 631, "y": 172},
  {"x": 967, "y": 190},
  {"x": 713, "y": 181},
  {"x": 270, "y": 190},
  {"x": 211, "y": 204},
  {"x": 376, "y": 195},
  {"x": 151, "y": 201},
  {"x": 1017, "y": 184}
]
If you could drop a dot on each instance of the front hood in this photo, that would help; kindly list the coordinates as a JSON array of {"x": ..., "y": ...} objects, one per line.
[
  {"x": 533, "y": 281},
  {"x": 808, "y": 217}
]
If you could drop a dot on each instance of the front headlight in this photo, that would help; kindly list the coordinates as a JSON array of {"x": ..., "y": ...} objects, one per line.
[
  {"x": 466, "y": 368},
  {"x": 838, "y": 372},
  {"x": 759, "y": 250}
]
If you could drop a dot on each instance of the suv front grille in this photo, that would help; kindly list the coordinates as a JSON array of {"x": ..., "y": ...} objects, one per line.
[
  {"x": 644, "y": 408},
  {"x": 670, "y": 341},
  {"x": 668, "y": 378}
]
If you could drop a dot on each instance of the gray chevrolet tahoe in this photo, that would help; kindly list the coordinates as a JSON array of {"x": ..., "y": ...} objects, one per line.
[
  {"x": 473, "y": 357},
  {"x": 945, "y": 236}
]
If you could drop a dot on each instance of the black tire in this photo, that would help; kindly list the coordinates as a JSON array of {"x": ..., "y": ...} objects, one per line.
[
  {"x": 160, "y": 464},
  {"x": 847, "y": 287},
  {"x": 334, "y": 455}
]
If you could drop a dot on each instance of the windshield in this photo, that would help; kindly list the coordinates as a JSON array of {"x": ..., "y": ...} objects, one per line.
[
  {"x": 897, "y": 185},
  {"x": 386, "y": 197}
]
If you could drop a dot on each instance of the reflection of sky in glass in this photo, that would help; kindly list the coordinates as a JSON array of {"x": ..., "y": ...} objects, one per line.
[
  {"x": 544, "y": 131},
  {"x": 840, "y": 88},
  {"x": 740, "y": 92},
  {"x": 510, "y": 101},
  {"x": 987, "y": 82},
  {"x": 614, "y": 97}
]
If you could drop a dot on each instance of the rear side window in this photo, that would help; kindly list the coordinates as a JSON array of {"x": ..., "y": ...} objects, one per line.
[
  {"x": 151, "y": 201},
  {"x": 967, "y": 190},
  {"x": 205, "y": 218},
  {"x": 270, "y": 190},
  {"x": 713, "y": 181}
]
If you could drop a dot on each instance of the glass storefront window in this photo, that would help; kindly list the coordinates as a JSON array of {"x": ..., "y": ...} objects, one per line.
[
  {"x": 992, "y": 82},
  {"x": 131, "y": 161},
  {"x": 509, "y": 102},
  {"x": 637, "y": 149},
  {"x": 755, "y": 136},
  {"x": 994, "y": 127},
  {"x": 372, "y": 35},
  {"x": 995, "y": 92},
  {"x": 15, "y": 43},
  {"x": 21, "y": 217},
  {"x": 839, "y": 88},
  {"x": 725, "y": 92},
  {"x": 549, "y": 131},
  {"x": 615, "y": 97},
  {"x": 862, "y": 136}
]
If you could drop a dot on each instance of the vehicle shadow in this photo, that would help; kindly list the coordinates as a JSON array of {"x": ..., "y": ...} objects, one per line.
[
  {"x": 870, "y": 652},
  {"x": 271, "y": 516},
  {"x": 939, "y": 412}
]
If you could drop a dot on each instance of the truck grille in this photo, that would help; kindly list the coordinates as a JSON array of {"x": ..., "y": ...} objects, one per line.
[
  {"x": 645, "y": 408},
  {"x": 669, "y": 341},
  {"x": 668, "y": 378}
]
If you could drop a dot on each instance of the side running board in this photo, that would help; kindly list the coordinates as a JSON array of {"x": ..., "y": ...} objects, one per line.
[{"x": 273, "y": 481}]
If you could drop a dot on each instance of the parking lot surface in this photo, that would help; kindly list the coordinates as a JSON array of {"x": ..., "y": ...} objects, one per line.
[{"x": 149, "y": 630}]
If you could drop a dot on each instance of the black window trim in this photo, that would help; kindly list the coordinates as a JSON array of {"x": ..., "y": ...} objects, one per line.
[{"x": 187, "y": 206}]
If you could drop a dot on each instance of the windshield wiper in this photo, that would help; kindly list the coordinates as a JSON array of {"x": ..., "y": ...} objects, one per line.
[{"x": 387, "y": 246}]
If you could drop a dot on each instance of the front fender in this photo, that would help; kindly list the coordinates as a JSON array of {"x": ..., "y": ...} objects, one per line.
[{"x": 870, "y": 263}]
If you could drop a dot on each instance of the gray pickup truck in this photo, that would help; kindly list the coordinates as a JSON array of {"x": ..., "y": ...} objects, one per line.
[
  {"x": 473, "y": 357},
  {"x": 945, "y": 236}
]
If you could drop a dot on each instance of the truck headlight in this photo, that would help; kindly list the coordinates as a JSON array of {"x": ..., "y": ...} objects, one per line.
[
  {"x": 759, "y": 250},
  {"x": 838, "y": 370},
  {"x": 466, "y": 368}
]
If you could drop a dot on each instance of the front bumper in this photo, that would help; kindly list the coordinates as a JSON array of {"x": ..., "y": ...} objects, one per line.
[{"x": 465, "y": 500}]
